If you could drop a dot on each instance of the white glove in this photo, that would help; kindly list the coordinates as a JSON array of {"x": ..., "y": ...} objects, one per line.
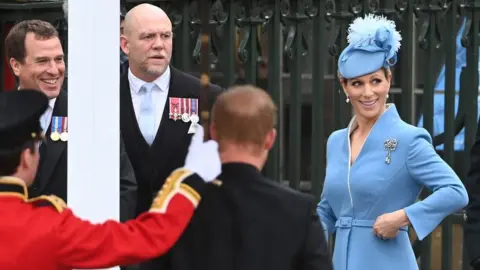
[{"x": 203, "y": 157}]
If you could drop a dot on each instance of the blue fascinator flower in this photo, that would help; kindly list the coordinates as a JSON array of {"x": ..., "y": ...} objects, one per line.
[{"x": 373, "y": 43}]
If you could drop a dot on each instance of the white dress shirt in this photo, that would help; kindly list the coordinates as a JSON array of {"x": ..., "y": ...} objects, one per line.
[
  {"x": 159, "y": 93},
  {"x": 46, "y": 117}
]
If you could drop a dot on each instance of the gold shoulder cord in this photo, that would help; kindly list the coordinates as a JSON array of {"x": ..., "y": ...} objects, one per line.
[
  {"x": 174, "y": 185},
  {"x": 51, "y": 200}
]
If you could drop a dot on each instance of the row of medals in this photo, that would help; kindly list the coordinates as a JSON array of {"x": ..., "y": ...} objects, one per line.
[
  {"x": 187, "y": 117},
  {"x": 55, "y": 136}
]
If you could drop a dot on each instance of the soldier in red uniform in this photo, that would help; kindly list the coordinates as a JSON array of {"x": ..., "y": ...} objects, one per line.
[{"x": 42, "y": 233}]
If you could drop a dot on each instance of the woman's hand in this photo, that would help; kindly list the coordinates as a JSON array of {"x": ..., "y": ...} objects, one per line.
[{"x": 387, "y": 225}]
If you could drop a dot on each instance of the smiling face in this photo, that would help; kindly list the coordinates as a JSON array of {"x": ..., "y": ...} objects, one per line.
[
  {"x": 43, "y": 67},
  {"x": 147, "y": 41},
  {"x": 368, "y": 93}
]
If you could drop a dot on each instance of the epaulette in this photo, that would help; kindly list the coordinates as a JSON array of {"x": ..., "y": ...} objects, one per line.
[{"x": 49, "y": 200}]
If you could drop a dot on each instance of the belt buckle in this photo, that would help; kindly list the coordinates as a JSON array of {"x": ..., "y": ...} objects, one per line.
[{"x": 345, "y": 223}]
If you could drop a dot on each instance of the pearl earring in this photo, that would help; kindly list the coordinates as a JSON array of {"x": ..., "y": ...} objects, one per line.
[
  {"x": 347, "y": 100},
  {"x": 387, "y": 96}
]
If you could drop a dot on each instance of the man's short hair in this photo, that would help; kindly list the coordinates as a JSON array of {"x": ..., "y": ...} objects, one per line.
[
  {"x": 15, "y": 40},
  {"x": 244, "y": 115}
]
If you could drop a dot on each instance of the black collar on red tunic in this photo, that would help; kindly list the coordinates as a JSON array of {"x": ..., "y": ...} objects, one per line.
[{"x": 13, "y": 186}]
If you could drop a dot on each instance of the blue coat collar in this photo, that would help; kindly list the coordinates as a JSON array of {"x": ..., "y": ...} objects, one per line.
[{"x": 382, "y": 132}]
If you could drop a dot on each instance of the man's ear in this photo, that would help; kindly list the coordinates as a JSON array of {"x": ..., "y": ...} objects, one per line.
[
  {"x": 124, "y": 44},
  {"x": 26, "y": 159},
  {"x": 270, "y": 139},
  {"x": 15, "y": 65},
  {"x": 213, "y": 134}
]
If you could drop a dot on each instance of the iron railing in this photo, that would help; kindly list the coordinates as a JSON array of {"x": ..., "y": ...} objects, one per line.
[{"x": 290, "y": 47}]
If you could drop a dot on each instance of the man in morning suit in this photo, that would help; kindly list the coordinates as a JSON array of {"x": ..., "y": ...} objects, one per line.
[
  {"x": 36, "y": 57},
  {"x": 157, "y": 102},
  {"x": 250, "y": 222},
  {"x": 43, "y": 233},
  {"x": 152, "y": 93},
  {"x": 472, "y": 222}
]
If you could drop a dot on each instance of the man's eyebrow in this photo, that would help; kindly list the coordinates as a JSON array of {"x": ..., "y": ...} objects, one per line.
[
  {"x": 43, "y": 58},
  {"x": 40, "y": 58},
  {"x": 142, "y": 34}
]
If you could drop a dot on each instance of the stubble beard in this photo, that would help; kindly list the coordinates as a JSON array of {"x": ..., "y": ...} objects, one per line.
[{"x": 153, "y": 71}]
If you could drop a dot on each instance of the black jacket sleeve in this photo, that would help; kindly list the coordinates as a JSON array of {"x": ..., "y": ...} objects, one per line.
[
  {"x": 315, "y": 254},
  {"x": 128, "y": 186}
]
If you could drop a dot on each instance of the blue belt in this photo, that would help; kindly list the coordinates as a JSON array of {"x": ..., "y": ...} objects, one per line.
[
  {"x": 348, "y": 222},
  {"x": 345, "y": 224}
]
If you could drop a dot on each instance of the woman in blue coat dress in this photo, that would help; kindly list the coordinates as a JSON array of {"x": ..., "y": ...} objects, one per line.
[{"x": 377, "y": 166}]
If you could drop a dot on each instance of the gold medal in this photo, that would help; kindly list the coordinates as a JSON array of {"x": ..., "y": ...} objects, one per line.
[{"x": 55, "y": 136}]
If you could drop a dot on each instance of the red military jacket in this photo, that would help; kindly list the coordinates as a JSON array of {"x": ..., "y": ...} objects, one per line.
[{"x": 42, "y": 233}]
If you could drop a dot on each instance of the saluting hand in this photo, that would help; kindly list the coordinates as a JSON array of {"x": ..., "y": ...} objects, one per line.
[
  {"x": 388, "y": 225},
  {"x": 203, "y": 157}
]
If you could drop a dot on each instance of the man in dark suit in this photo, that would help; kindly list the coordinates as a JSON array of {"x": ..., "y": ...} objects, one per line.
[
  {"x": 156, "y": 100},
  {"x": 249, "y": 222},
  {"x": 158, "y": 104},
  {"x": 472, "y": 224},
  {"x": 36, "y": 57}
]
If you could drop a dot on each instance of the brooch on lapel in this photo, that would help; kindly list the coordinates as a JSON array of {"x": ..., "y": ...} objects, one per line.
[{"x": 390, "y": 146}]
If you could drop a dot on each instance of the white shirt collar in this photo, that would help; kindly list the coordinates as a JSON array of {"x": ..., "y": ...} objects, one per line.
[
  {"x": 51, "y": 103},
  {"x": 161, "y": 82}
]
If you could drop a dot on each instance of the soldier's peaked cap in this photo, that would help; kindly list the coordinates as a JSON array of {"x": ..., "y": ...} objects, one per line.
[{"x": 20, "y": 113}]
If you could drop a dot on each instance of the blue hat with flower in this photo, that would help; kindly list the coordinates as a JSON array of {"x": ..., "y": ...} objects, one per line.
[{"x": 373, "y": 43}]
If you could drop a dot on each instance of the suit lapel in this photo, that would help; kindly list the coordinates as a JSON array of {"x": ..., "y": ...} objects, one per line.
[
  {"x": 176, "y": 89},
  {"x": 51, "y": 151},
  {"x": 171, "y": 134},
  {"x": 127, "y": 112}
]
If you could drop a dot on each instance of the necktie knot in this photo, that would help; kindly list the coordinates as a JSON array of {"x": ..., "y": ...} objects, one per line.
[{"x": 147, "y": 88}]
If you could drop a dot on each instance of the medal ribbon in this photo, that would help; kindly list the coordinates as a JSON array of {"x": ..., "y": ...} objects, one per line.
[
  {"x": 173, "y": 105},
  {"x": 184, "y": 105},
  {"x": 55, "y": 124},
  {"x": 64, "y": 124},
  {"x": 194, "y": 106},
  {"x": 60, "y": 122}
]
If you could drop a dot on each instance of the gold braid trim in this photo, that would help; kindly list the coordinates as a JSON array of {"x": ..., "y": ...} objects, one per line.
[
  {"x": 190, "y": 194},
  {"x": 172, "y": 186},
  {"x": 10, "y": 180},
  {"x": 53, "y": 200}
]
